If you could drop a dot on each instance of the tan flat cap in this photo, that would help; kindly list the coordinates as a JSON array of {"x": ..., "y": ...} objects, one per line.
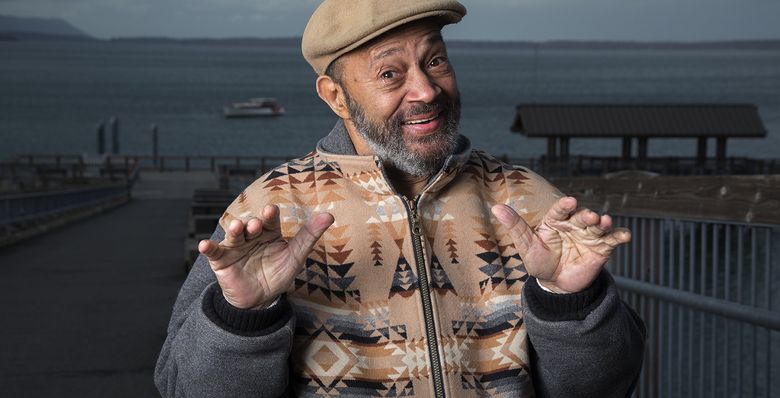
[{"x": 340, "y": 26}]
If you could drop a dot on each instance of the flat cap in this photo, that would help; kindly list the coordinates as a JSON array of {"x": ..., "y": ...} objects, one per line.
[{"x": 340, "y": 26}]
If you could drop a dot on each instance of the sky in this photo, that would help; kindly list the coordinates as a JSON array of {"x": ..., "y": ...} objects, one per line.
[{"x": 642, "y": 20}]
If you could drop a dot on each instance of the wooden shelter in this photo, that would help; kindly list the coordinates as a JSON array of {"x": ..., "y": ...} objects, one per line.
[{"x": 559, "y": 123}]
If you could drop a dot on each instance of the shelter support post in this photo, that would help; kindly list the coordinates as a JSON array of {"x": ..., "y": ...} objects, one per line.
[
  {"x": 642, "y": 149},
  {"x": 701, "y": 150},
  {"x": 626, "y": 148},
  {"x": 564, "y": 148},
  {"x": 720, "y": 152},
  {"x": 551, "y": 148}
]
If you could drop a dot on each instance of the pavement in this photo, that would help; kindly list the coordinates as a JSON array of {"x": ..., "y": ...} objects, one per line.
[{"x": 86, "y": 306}]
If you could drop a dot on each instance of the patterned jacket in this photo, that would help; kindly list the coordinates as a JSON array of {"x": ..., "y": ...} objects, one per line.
[{"x": 401, "y": 296}]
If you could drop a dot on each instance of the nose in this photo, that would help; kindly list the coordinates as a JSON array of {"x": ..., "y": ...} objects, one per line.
[{"x": 421, "y": 88}]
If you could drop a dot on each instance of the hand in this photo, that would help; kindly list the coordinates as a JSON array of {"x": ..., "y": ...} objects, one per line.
[
  {"x": 253, "y": 264},
  {"x": 568, "y": 249}
]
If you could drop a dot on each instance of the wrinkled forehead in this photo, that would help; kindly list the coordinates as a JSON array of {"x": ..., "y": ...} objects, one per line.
[{"x": 419, "y": 35}]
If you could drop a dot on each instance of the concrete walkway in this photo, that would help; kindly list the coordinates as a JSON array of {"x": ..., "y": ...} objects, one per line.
[{"x": 85, "y": 308}]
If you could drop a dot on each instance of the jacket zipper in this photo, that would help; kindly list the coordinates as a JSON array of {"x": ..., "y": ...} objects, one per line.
[{"x": 430, "y": 326}]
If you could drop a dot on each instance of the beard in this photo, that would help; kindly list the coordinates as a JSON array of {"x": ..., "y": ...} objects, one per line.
[{"x": 388, "y": 142}]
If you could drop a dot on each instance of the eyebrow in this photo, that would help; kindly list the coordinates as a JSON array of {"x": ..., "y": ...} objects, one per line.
[
  {"x": 430, "y": 40},
  {"x": 384, "y": 54},
  {"x": 434, "y": 38}
]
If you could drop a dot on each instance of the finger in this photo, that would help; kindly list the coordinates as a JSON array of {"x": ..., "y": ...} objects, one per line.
[
  {"x": 234, "y": 235},
  {"x": 271, "y": 221},
  {"x": 211, "y": 250},
  {"x": 303, "y": 242},
  {"x": 521, "y": 233},
  {"x": 617, "y": 237},
  {"x": 604, "y": 226},
  {"x": 254, "y": 227},
  {"x": 562, "y": 209},
  {"x": 584, "y": 218}
]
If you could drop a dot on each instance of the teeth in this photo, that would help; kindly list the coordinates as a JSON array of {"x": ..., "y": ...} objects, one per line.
[{"x": 421, "y": 121}]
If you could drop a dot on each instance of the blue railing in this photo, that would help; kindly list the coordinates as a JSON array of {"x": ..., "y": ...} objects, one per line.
[
  {"x": 704, "y": 290},
  {"x": 29, "y": 207}
]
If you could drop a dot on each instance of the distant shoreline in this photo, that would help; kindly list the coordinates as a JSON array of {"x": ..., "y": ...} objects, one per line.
[
  {"x": 768, "y": 44},
  {"x": 773, "y": 44}
]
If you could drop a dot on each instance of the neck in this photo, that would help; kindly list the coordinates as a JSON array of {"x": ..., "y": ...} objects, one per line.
[{"x": 407, "y": 185}]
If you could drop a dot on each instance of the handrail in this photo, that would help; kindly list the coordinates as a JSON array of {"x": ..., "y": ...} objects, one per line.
[
  {"x": 745, "y": 313},
  {"x": 59, "y": 192},
  {"x": 573, "y": 165},
  {"x": 42, "y": 204}
]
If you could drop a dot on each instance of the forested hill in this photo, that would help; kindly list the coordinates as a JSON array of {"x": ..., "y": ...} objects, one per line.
[{"x": 39, "y": 28}]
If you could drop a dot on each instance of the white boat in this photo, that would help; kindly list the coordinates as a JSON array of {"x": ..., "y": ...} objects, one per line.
[{"x": 253, "y": 108}]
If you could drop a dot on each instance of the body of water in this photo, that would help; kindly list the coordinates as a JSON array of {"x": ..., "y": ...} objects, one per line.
[{"x": 52, "y": 95}]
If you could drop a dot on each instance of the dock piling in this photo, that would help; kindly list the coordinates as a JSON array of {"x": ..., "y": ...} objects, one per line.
[
  {"x": 114, "y": 122},
  {"x": 101, "y": 137},
  {"x": 155, "y": 154}
]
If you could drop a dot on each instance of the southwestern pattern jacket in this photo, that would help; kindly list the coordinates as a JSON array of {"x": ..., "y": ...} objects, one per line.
[{"x": 401, "y": 296}]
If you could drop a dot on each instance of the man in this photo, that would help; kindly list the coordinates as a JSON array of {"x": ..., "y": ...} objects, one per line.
[{"x": 394, "y": 260}]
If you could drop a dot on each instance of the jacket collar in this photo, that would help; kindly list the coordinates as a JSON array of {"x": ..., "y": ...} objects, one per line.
[{"x": 367, "y": 170}]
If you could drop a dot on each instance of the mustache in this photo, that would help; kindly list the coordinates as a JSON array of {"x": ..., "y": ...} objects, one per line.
[{"x": 423, "y": 109}]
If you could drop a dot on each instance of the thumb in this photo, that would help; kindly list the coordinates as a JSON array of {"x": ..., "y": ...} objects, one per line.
[
  {"x": 303, "y": 242},
  {"x": 522, "y": 234}
]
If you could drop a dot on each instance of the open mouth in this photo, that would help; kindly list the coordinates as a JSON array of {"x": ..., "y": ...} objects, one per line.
[{"x": 423, "y": 121}]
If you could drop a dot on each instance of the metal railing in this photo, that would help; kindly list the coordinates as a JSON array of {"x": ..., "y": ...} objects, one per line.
[
  {"x": 196, "y": 163},
  {"x": 28, "y": 207},
  {"x": 704, "y": 290},
  {"x": 572, "y": 166},
  {"x": 670, "y": 165}
]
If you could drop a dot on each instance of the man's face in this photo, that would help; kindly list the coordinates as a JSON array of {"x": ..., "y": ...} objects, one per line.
[{"x": 403, "y": 98}]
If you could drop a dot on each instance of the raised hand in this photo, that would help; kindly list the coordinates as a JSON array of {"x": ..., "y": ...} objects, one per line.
[
  {"x": 567, "y": 250},
  {"x": 254, "y": 264}
]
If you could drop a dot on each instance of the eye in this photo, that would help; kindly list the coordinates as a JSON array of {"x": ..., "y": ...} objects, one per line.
[
  {"x": 388, "y": 74},
  {"x": 438, "y": 61}
]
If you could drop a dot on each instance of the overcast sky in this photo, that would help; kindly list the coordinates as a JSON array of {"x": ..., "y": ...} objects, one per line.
[{"x": 687, "y": 20}]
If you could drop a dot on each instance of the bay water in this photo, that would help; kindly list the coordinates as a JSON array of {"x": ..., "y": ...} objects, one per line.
[{"x": 52, "y": 95}]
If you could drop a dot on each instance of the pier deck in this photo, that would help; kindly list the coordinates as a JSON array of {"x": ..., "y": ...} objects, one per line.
[{"x": 87, "y": 306}]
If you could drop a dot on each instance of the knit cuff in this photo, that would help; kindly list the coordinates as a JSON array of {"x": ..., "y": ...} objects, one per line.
[
  {"x": 245, "y": 322},
  {"x": 565, "y": 307}
]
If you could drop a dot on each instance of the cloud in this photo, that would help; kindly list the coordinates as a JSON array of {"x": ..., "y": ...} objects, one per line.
[{"x": 487, "y": 19}]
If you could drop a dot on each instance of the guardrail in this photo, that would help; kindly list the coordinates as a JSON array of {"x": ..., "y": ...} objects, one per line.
[
  {"x": 53, "y": 192},
  {"x": 670, "y": 165},
  {"x": 704, "y": 290},
  {"x": 197, "y": 163},
  {"x": 571, "y": 166},
  {"x": 27, "y": 207}
]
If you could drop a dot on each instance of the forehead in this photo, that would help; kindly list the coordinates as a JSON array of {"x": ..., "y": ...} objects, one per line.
[{"x": 418, "y": 34}]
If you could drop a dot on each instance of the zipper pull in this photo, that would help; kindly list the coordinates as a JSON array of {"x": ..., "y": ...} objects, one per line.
[{"x": 416, "y": 226}]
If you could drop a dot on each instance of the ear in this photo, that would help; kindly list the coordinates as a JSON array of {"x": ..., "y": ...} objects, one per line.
[{"x": 333, "y": 95}]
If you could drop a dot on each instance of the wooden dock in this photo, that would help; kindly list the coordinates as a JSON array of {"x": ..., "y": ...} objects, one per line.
[{"x": 89, "y": 303}]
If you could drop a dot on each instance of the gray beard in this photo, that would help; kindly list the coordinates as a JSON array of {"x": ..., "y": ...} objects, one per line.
[{"x": 387, "y": 140}]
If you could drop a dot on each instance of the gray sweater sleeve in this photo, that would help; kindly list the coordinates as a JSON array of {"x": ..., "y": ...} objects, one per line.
[
  {"x": 208, "y": 354},
  {"x": 589, "y": 345}
]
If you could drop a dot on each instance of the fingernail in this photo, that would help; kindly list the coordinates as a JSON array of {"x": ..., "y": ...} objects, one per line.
[{"x": 502, "y": 214}]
